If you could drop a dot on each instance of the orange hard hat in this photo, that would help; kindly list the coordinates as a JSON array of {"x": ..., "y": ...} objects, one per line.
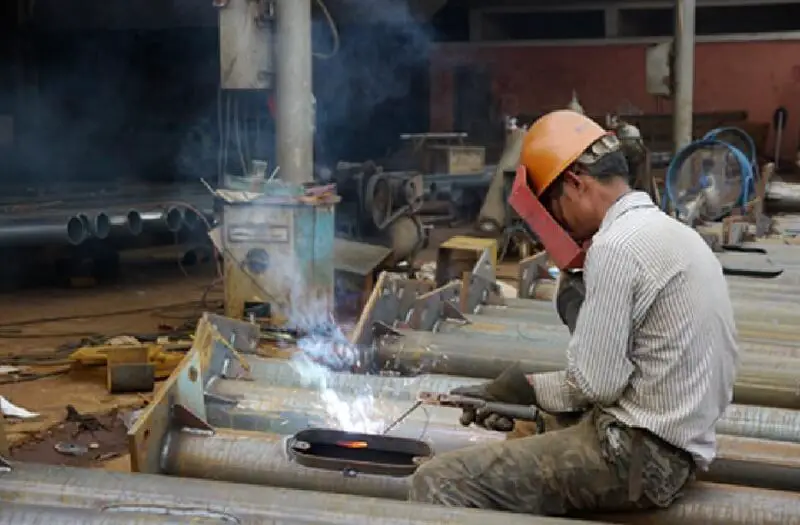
[{"x": 553, "y": 143}]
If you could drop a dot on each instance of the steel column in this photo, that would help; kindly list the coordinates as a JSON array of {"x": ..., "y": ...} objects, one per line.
[
  {"x": 294, "y": 100},
  {"x": 684, "y": 72}
]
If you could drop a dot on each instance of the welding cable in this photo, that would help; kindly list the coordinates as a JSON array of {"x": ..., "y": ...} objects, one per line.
[{"x": 334, "y": 33}]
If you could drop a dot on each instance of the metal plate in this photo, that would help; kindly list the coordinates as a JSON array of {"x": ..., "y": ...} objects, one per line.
[
  {"x": 434, "y": 306},
  {"x": 147, "y": 437},
  {"x": 532, "y": 270},
  {"x": 389, "y": 303}
]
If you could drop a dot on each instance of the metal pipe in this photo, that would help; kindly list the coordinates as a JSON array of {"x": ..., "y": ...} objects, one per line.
[
  {"x": 755, "y": 463},
  {"x": 709, "y": 504},
  {"x": 750, "y": 315},
  {"x": 98, "y": 225},
  {"x": 249, "y": 505},
  {"x": 258, "y": 458},
  {"x": 124, "y": 224},
  {"x": 60, "y": 515},
  {"x": 43, "y": 231},
  {"x": 739, "y": 420},
  {"x": 683, "y": 72},
  {"x": 762, "y": 380},
  {"x": 294, "y": 105},
  {"x": 261, "y": 458},
  {"x": 170, "y": 219},
  {"x": 279, "y": 410}
]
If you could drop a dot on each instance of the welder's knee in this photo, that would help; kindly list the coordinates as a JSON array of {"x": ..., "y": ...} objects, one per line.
[{"x": 435, "y": 481}]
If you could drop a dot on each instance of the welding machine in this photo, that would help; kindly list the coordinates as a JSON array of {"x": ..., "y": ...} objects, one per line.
[{"x": 278, "y": 251}]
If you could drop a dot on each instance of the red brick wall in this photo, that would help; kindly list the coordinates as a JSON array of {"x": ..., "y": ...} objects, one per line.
[{"x": 753, "y": 76}]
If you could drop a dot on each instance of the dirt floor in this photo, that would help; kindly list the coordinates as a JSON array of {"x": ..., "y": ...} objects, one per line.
[{"x": 154, "y": 286}]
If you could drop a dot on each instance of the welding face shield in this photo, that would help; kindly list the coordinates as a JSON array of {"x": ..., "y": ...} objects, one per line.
[{"x": 559, "y": 145}]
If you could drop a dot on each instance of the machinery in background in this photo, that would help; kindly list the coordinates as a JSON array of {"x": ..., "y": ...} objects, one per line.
[{"x": 380, "y": 207}]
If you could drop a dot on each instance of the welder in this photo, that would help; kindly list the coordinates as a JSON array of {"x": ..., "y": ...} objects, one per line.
[{"x": 651, "y": 361}]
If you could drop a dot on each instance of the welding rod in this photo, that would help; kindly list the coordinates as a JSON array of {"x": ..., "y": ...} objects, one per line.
[{"x": 400, "y": 419}]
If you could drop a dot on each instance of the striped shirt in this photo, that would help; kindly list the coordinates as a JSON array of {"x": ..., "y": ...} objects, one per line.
[{"x": 655, "y": 342}]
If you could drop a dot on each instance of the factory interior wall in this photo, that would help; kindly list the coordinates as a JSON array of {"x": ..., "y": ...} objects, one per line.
[{"x": 757, "y": 77}]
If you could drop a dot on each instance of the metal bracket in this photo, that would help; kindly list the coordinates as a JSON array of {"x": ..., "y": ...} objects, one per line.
[
  {"x": 480, "y": 286},
  {"x": 390, "y": 302},
  {"x": 532, "y": 270},
  {"x": 147, "y": 437},
  {"x": 184, "y": 418},
  {"x": 380, "y": 329},
  {"x": 435, "y": 306}
]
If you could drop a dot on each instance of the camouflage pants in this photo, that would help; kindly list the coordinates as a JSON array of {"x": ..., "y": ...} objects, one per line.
[{"x": 591, "y": 465}]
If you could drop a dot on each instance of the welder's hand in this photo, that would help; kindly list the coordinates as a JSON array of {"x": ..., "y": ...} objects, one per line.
[{"x": 510, "y": 387}]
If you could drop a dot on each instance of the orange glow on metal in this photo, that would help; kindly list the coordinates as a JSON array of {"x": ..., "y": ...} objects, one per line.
[{"x": 352, "y": 444}]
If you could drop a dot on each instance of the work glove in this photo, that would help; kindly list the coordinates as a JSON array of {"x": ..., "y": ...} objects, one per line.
[
  {"x": 511, "y": 387},
  {"x": 570, "y": 294}
]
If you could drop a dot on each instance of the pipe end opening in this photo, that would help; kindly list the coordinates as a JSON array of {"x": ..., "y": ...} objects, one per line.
[
  {"x": 174, "y": 219},
  {"x": 76, "y": 230},
  {"x": 102, "y": 226},
  {"x": 135, "y": 223}
]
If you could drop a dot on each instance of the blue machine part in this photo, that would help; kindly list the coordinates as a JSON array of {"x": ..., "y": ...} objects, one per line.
[{"x": 720, "y": 160}]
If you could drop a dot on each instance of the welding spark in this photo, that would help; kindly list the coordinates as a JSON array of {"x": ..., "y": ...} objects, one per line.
[{"x": 325, "y": 350}]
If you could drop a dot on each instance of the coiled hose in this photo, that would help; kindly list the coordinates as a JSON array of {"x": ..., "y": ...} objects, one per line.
[{"x": 710, "y": 140}]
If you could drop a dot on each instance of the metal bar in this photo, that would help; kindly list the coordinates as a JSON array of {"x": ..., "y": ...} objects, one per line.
[
  {"x": 295, "y": 118},
  {"x": 684, "y": 72},
  {"x": 229, "y": 503}
]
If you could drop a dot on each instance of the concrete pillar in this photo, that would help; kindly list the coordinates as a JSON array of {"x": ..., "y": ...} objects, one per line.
[
  {"x": 294, "y": 98},
  {"x": 684, "y": 72}
]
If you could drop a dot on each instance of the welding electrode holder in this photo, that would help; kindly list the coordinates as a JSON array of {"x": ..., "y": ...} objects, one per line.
[{"x": 511, "y": 411}]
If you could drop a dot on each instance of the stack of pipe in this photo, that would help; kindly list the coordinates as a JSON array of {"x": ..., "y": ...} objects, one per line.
[{"x": 72, "y": 219}]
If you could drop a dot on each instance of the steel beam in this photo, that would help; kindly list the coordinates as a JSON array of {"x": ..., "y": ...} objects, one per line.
[
  {"x": 294, "y": 104},
  {"x": 684, "y": 73}
]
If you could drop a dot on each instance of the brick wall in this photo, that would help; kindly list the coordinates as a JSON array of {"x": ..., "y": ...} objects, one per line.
[{"x": 753, "y": 76}]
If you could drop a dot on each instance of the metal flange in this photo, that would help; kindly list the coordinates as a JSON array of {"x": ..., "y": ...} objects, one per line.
[
  {"x": 532, "y": 271},
  {"x": 437, "y": 305}
]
